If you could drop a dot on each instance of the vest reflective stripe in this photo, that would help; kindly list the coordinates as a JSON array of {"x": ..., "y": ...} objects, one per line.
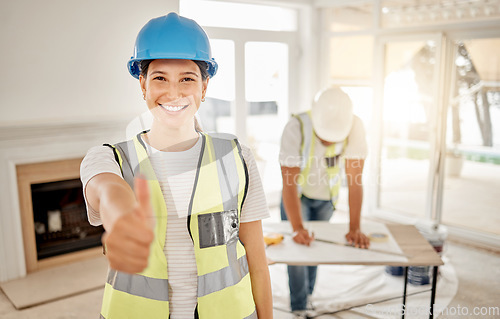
[
  {"x": 137, "y": 285},
  {"x": 222, "y": 278},
  {"x": 226, "y": 167},
  {"x": 224, "y": 286},
  {"x": 253, "y": 315},
  {"x": 333, "y": 170},
  {"x": 307, "y": 148},
  {"x": 306, "y": 144},
  {"x": 118, "y": 304},
  {"x": 127, "y": 163},
  {"x": 229, "y": 188}
]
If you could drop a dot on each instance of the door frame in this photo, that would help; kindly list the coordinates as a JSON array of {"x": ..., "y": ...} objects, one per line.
[
  {"x": 444, "y": 69},
  {"x": 376, "y": 139}
]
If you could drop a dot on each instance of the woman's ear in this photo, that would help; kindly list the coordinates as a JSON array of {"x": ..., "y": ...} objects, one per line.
[
  {"x": 142, "y": 82},
  {"x": 204, "y": 87}
]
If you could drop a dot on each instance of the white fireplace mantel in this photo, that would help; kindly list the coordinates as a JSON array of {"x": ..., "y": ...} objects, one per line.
[{"x": 33, "y": 144}]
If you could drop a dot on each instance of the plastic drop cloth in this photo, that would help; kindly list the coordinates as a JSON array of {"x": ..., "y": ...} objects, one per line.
[{"x": 360, "y": 289}]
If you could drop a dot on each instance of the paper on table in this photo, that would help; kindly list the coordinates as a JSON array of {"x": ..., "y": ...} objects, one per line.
[{"x": 326, "y": 253}]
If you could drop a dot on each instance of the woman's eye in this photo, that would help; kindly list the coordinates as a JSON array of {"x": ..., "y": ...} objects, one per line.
[
  {"x": 159, "y": 78},
  {"x": 187, "y": 79}
]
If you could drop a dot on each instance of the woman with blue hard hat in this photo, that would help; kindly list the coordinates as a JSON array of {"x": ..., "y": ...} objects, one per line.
[{"x": 182, "y": 209}]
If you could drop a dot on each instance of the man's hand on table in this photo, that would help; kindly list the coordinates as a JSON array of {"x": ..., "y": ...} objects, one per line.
[
  {"x": 303, "y": 237},
  {"x": 357, "y": 239}
]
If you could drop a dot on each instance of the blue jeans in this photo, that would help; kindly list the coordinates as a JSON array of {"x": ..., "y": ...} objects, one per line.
[{"x": 301, "y": 279}]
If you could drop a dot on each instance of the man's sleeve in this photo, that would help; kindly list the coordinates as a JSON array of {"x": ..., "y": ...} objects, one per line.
[
  {"x": 290, "y": 144},
  {"x": 357, "y": 147}
]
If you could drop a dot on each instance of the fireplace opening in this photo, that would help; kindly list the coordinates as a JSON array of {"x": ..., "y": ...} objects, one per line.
[{"x": 60, "y": 219}]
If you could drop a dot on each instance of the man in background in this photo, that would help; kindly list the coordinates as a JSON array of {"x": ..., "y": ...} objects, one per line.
[{"x": 315, "y": 146}]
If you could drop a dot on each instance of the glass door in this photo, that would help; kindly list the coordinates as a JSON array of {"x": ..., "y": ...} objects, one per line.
[
  {"x": 472, "y": 156},
  {"x": 266, "y": 95},
  {"x": 216, "y": 113},
  {"x": 256, "y": 47},
  {"x": 410, "y": 108}
]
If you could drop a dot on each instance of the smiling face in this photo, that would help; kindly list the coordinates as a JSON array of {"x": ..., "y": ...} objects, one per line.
[{"x": 173, "y": 90}]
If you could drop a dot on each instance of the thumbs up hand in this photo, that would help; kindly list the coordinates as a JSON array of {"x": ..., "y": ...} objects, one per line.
[
  {"x": 143, "y": 196},
  {"x": 127, "y": 243}
]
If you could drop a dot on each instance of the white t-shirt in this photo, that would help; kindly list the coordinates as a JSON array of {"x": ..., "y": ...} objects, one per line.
[
  {"x": 176, "y": 174},
  {"x": 317, "y": 185}
]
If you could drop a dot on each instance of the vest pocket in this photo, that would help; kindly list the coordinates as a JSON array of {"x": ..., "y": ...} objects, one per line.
[{"x": 219, "y": 228}]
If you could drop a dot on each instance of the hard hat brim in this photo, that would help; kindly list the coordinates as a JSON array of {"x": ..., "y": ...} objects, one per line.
[{"x": 134, "y": 69}]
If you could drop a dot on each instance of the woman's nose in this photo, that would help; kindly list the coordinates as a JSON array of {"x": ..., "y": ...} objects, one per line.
[{"x": 173, "y": 92}]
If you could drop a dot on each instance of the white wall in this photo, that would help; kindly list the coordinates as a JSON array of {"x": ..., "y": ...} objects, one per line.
[
  {"x": 64, "y": 88},
  {"x": 65, "y": 60}
]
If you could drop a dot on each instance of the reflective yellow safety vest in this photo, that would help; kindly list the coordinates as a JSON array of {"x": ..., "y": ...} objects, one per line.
[
  {"x": 333, "y": 155},
  {"x": 220, "y": 187}
]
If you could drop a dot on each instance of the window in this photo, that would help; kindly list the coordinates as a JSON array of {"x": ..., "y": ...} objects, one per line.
[
  {"x": 216, "y": 113},
  {"x": 266, "y": 80},
  {"x": 355, "y": 17},
  {"x": 472, "y": 159},
  {"x": 351, "y": 48},
  {"x": 408, "y": 111},
  {"x": 239, "y": 15},
  {"x": 250, "y": 95},
  {"x": 431, "y": 12}
]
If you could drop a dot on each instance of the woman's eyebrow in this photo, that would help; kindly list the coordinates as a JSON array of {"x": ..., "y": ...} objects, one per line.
[
  {"x": 190, "y": 73},
  {"x": 158, "y": 72},
  {"x": 182, "y": 73}
]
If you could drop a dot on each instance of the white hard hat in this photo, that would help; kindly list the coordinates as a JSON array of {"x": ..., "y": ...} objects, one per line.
[{"x": 331, "y": 114}]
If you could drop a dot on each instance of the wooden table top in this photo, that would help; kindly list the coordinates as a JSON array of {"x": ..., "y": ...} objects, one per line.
[
  {"x": 414, "y": 249},
  {"x": 415, "y": 246}
]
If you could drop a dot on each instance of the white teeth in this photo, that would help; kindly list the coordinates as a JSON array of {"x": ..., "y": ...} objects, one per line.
[{"x": 173, "y": 108}]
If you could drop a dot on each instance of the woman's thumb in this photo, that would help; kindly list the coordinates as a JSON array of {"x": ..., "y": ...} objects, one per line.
[{"x": 142, "y": 194}]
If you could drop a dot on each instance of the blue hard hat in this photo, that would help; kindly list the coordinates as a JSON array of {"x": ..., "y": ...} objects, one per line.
[{"x": 171, "y": 37}]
